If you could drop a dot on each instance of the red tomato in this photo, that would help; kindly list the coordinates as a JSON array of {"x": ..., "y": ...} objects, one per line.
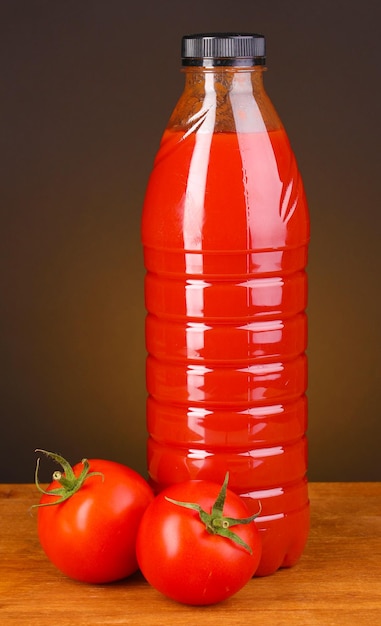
[
  {"x": 91, "y": 535},
  {"x": 182, "y": 559}
]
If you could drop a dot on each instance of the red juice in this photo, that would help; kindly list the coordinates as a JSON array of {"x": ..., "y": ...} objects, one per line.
[{"x": 225, "y": 231}]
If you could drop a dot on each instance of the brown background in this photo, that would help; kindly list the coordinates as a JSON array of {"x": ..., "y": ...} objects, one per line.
[{"x": 86, "y": 90}]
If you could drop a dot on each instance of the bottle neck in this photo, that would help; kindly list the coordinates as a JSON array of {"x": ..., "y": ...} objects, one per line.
[
  {"x": 224, "y": 99},
  {"x": 223, "y": 75}
]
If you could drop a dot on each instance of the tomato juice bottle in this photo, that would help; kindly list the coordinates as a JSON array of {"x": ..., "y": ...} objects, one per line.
[{"x": 225, "y": 232}]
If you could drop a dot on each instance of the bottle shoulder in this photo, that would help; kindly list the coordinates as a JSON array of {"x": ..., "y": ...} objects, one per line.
[{"x": 224, "y": 102}]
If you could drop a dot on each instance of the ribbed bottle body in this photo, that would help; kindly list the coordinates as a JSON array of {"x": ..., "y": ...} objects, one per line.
[{"x": 225, "y": 234}]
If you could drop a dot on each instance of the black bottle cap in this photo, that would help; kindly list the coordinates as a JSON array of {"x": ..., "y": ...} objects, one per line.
[{"x": 223, "y": 49}]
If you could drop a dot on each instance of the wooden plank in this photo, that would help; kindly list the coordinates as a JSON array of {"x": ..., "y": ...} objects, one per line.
[{"x": 337, "y": 581}]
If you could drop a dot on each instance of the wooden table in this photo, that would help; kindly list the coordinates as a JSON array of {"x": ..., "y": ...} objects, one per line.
[{"x": 336, "y": 583}]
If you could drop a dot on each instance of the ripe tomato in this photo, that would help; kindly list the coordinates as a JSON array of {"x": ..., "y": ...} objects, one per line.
[
  {"x": 185, "y": 561},
  {"x": 90, "y": 534}
]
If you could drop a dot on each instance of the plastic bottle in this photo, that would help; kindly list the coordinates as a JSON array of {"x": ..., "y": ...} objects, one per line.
[{"x": 225, "y": 231}]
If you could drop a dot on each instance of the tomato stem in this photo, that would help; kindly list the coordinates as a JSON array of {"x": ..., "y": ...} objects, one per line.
[
  {"x": 70, "y": 483},
  {"x": 215, "y": 522}
]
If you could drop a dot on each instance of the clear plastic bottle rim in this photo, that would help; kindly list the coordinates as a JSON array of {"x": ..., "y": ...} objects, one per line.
[{"x": 214, "y": 49}]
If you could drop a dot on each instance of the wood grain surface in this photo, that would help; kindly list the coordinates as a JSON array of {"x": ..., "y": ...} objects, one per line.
[{"x": 336, "y": 583}]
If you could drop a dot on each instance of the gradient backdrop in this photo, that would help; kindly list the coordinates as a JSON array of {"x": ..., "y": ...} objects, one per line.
[{"x": 87, "y": 87}]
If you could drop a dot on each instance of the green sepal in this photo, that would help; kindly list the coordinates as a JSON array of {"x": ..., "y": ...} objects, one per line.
[
  {"x": 70, "y": 483},
  {"x": 215, "y": 522}
]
